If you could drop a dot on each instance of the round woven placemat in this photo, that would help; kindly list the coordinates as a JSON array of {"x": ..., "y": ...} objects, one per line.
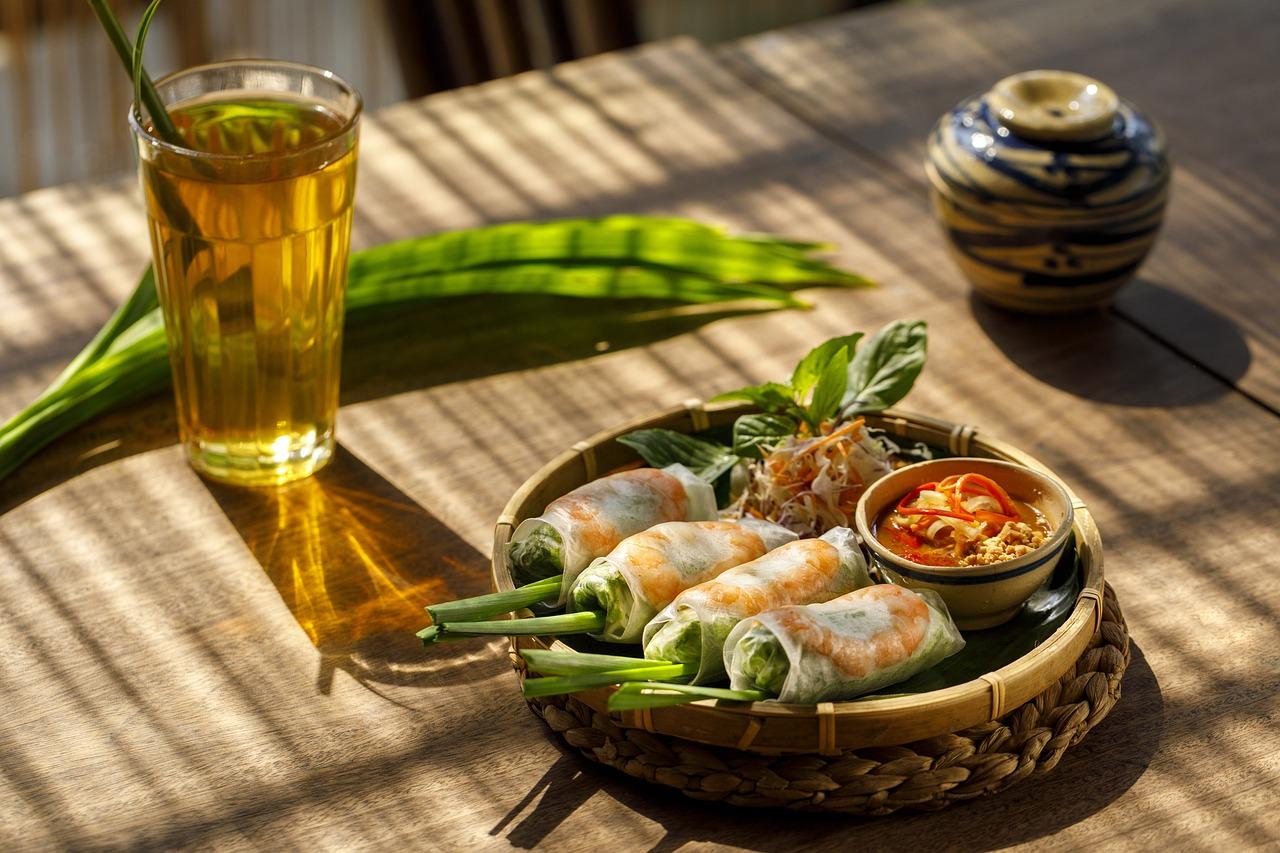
[{"x": 924, "y": 775}]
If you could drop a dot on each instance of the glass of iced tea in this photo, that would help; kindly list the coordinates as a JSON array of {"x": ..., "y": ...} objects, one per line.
[{"x": 250, "y": 224}]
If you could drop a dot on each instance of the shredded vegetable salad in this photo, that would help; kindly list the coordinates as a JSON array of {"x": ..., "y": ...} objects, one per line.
[{"x": 811, "y": 483}]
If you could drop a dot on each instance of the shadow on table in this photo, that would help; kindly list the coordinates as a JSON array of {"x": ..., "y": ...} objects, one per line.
[
  {"x": 1096, "y": 355},
  {"x": 443, "y": 340},
  {"x": 356, "y": 560},
  {"x": 1090, "y": 777}
]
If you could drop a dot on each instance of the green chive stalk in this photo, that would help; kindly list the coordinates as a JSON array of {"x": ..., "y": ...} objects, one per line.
[
  {"x": 548, "y": 662},
  {"x": 637, "y": 695},
  {"x": 556, "y": 685},
  {"x": 583, "y": 622},
  {"x": 495, "y": 603}
]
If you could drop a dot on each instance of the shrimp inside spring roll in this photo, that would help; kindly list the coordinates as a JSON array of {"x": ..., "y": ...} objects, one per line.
[
  {"x": 648, "y": 569},
  {"x": 843, "y": 648},
  {"x": 591, "y": 520},
  {"x": 695, "y": 625}
]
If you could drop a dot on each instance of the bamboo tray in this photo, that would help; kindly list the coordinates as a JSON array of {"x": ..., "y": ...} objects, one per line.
[{"x": 872, "y": 756}]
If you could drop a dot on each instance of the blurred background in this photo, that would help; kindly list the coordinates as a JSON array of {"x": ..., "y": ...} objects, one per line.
[{"x": 64, "y": 96}]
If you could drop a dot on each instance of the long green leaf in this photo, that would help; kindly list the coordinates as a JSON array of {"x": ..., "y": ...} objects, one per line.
[
  {"x": 140, "y": 304},
  {"x": 571, "y": 278},
  {"x": 493, "y": 259},
  {"x": 139, "y": 45},
  {"x": 124, "y": 49},
  {"x": 669, "y": 244}
]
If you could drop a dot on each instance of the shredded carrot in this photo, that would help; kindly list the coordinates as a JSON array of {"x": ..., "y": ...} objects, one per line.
[
  {"x": 954, "y": 488},
  {"x": 852, "y": 425}
]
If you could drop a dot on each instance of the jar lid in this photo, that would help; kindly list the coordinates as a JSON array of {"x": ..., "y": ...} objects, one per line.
[
  {"x": 1050, "y": 146},
  {"x": 1054, "y": 105}
]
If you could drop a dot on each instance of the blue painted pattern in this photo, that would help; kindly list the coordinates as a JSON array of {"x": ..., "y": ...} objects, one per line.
[{"x": 1047, "y": 224}]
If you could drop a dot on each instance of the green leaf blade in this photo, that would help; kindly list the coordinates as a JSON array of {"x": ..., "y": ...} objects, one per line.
[
  {"x": 610, "y": 257},
  {"x": 773, "y": 397},
  {"x": 663, "y": 447},
  {"x": 753, "y": 435},
  {"x": 830, "y": 388},
  {"x": 884, "y": 370},
  {"x": 809, "y": 369}
]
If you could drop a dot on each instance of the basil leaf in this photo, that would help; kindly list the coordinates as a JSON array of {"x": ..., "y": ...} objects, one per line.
[
  {"x": 771, "y": 396},
  {"x": 663, "y": 447},
  {"x": 753, "y": 434},
  {"x": 830, "y": 388},
  {"x": 810, "y": 368},
  {"x": 884, "y": 370}
]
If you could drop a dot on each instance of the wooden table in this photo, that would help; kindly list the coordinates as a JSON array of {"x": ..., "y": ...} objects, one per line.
[{"x": 189, "y": 665}]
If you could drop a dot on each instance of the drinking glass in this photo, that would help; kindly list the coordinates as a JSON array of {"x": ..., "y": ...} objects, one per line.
[{"x": 250, "y": 223}]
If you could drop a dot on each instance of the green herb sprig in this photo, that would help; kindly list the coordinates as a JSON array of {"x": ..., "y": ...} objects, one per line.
[{"x": 835, "y": 380}]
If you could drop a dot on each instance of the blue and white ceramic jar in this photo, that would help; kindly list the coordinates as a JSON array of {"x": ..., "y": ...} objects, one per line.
[{"x": 1050, "y": 190}]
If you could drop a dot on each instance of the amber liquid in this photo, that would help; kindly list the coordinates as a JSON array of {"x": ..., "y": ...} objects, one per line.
[{"x": 251, "y": 259}]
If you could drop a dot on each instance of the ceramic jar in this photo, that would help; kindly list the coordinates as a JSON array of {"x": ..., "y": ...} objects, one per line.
[{"x": 1050, "y": 190}]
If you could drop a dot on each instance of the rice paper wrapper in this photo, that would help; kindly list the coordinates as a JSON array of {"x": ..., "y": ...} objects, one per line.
[
  {"x": 649, "y": 569},
  {"x": 854, "y": 644},
  {"x": 594, "y": 518},
  {"x": 800, "y": 572},
  {"x": 774, "y": 535}
]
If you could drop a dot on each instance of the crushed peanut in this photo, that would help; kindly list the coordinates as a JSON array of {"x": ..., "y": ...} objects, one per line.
[{"x": 1015, "y": 539}]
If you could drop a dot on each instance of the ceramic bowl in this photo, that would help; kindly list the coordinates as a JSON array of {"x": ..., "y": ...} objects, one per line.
[
  {"x": 977, "y": 596},
  {"x": 1050, "y": 190}
]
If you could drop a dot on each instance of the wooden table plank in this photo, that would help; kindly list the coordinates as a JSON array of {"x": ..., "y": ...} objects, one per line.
[
  {"x": 154, "y": 636},
  {"x": 877, "y": 81}
]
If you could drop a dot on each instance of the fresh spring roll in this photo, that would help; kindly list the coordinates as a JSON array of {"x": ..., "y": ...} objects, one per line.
[
  {"x": 694, "y": 626},
  {"x": 591, "y": 520},
  {"x": 844, "y": 648},
  {"x": 647, "y": 570}
]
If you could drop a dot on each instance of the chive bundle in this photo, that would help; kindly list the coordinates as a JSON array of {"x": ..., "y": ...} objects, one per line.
[{"x": 569, "y": 672}]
